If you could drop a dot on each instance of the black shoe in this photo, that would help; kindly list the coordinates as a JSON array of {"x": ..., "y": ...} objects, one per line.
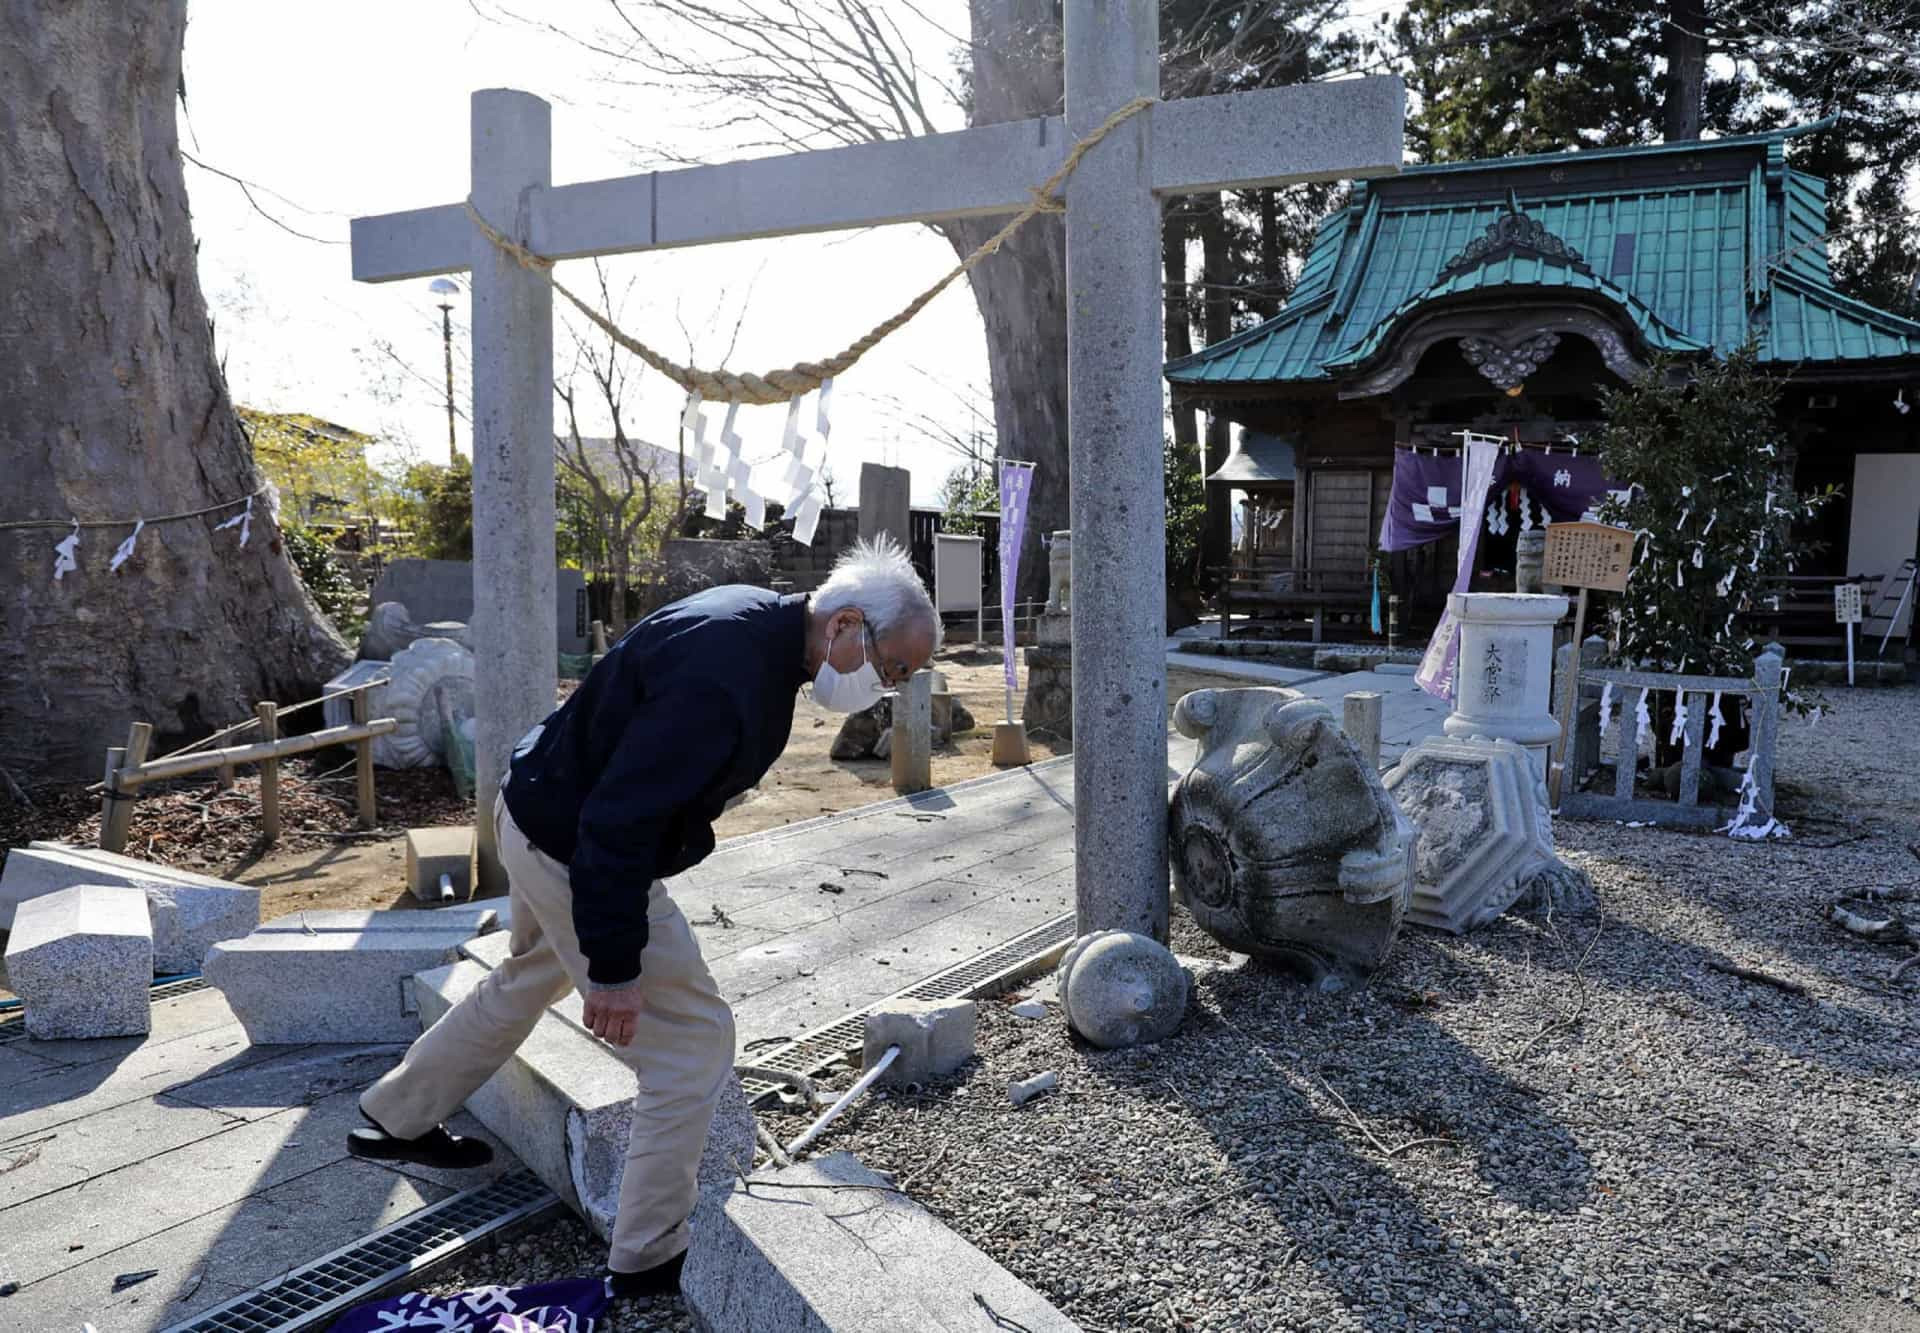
[
  {"x": 434, "y": 1148},
  {"x": 663, "y": 1279}
]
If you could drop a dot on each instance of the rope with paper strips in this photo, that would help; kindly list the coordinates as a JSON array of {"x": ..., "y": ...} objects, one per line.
[{"x": 777, "y": 386}]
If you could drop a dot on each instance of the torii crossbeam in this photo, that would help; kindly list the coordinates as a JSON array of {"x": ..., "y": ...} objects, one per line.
[{"x": 1116, "y": 413}]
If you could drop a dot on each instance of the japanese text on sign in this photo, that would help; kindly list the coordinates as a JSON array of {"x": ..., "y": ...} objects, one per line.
[
  {"x": 1846, "y": 604},
  {"x": 1588, "y": 555}
]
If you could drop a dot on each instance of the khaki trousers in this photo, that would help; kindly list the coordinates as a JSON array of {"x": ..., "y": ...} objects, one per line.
[{"x": 682, "y": 1049}]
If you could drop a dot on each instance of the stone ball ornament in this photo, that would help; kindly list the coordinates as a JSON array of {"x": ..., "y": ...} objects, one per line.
[
  {"x": 1285, "y": 845},
  {"x": 1122, "y": 989}
]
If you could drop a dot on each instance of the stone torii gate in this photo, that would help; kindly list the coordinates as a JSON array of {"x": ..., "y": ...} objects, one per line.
[{"x": 1115, "y": 414}]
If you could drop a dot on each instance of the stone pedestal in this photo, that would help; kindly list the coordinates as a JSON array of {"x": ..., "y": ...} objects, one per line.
[
  {"x": 1049, "y": 701},
  {"x": 1486, "y": 838},
  {"x": 81, "y": 960},
  {"x": 912, "y": 749},
  {"x": 1504, "y": 683}
]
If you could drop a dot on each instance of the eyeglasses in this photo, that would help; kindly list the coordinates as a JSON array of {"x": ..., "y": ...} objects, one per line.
[{"x": 892, "y": 674}]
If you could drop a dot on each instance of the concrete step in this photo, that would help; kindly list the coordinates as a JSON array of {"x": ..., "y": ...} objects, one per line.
[
  {"x": 854, "y": 1258},
  {"x": 564, "y": 1102}
]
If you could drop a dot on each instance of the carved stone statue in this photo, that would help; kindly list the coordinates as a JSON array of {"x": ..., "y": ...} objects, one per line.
[
  {"x": 391, "y": 628},
  {"x": 1060, "y": 572},
  {"x": 1284, "y": 843}
]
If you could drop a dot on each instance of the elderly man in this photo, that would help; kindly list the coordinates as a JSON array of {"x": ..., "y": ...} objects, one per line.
[{"x": 613, "y": 793}]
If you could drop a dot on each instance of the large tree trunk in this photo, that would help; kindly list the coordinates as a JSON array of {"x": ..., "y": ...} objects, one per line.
[
  {"x": 1179, "y": 317},
  {"x": 1684, "y": 91},
  {"x": 113, "y": 406},
  {"x": 1022, "y": 290},
  {"x": 1216, "y": 269}
]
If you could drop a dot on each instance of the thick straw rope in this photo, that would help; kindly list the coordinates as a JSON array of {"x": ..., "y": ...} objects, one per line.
[{"x": 777, "y": 386}]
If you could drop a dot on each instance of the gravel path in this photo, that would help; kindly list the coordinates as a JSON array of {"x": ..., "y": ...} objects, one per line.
[{"x": 1565, "y": 1123}]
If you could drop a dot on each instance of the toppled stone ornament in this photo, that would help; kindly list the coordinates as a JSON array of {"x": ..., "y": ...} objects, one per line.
[
  {"x": 1486, "y": 835},
  {"x": 430, "y": 688},
  {"x": 1284, "y": 843},
  {"x": 1122, "y": 989}
]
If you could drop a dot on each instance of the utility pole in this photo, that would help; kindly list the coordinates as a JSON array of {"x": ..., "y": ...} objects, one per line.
[{"x": 446, "y": 289}]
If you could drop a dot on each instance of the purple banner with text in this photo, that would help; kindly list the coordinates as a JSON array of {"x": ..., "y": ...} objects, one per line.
[{"x": 1016, "y": 483}]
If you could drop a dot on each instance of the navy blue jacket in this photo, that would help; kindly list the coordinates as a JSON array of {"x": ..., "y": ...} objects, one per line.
[{"x": 688, "y": 710}]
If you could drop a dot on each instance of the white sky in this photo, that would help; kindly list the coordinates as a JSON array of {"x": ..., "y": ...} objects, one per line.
[{"x": 354, "y": 107}]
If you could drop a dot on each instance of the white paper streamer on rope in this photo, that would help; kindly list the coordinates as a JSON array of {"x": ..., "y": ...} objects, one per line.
[
  {"x": 1714, "y": 720},
  {"x": 66, "y": 558},
  {"x": 805, "y": 519},
  {"x": 791, "y": 436},
  {"x": 1699, "y": 557},
  {"x": 1712, "y": 519},
  {"x": 244, "y": 518},
  {"x": 1679, "y": 731},
  {"x": 822, "y": 426},
  {"x": 1725, "y": 585},
  {"x": 1526, "y": 515},
  {"x": 124, "y": 552},
  {"x": 1742, "y": 824},
  {"x": 1606, "y": 706},
  {"x": 1642, "y": 720},
  {"x": 756, "y": 507},
  {"x": 728, "y": 435}
]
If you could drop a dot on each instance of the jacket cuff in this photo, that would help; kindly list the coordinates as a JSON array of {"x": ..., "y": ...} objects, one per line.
[{"x": 606, "y": 974}]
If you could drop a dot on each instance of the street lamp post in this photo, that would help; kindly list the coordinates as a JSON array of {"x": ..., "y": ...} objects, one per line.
[{"x": 446, "y": 289}]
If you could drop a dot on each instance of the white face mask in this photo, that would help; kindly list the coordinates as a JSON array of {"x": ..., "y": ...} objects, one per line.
[{"x": 847, "y": 691}]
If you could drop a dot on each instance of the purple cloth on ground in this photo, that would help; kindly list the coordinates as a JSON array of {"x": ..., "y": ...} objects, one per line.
[{"x": 575, "y": 1305}]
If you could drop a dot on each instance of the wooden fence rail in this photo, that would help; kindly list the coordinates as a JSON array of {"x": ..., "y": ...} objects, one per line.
[{"x": 129, "y": 769}]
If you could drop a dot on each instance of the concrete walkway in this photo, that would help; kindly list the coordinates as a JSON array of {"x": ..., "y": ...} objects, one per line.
[{"x": 223, "y": 1166}]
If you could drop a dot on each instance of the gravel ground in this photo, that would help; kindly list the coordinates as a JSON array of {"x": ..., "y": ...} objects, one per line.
[{"x": 1572, "y": 1122}]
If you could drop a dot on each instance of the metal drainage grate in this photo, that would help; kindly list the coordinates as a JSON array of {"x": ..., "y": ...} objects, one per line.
[
  {"x": 309, "y": 1297},
  {"x": 13, "y": 1029},
  {"x": 985, "y": 974}
]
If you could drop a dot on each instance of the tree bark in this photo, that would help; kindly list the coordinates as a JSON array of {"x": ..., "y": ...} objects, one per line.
[
  {"x": 112, "y": 405},
  {"x": 1269, "y": 303},
  {"x": 1179, "y": 320},
  {"x": 1684, "y": 86},
  {"x": 1216, "y": 268},
  {"x": 1021, "y": 291}
]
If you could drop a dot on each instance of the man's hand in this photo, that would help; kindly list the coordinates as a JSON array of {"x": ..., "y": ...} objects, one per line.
[{"x": 612, "y": 1014}]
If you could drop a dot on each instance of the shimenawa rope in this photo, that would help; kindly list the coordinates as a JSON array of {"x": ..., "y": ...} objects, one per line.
[{"x": 778, "y": 386}]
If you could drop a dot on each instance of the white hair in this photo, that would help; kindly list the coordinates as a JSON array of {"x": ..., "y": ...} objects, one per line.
[{"x": 878, "y": 578}]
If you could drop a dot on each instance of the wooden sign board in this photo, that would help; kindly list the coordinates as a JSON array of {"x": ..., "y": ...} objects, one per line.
[
  {"x": 1846, "y": 604},
  {"x": 1588, "y": 555}
]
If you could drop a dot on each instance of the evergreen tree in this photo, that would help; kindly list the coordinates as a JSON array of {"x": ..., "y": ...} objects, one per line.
[
  {"x": 1493, "y": 78},
  {"x": 1713, "y": 502}
]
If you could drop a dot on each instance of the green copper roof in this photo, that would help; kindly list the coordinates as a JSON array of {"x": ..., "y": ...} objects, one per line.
[{"x": 1690, "y": 246}]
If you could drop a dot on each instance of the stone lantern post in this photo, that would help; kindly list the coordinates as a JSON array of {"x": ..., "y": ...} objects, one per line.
[{"x": 1504, "y": 681}]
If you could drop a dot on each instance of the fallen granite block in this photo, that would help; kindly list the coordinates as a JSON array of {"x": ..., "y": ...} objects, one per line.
[
  {"x": 564, "y": 1104},
  {"x": 81, "y": 960},
  {"x": 845, "y": 1259},
  {"x": 935, "y": 1038},
  {"x": 478, "y": 918},
  {"x": 288, "y": 986},
  {"x": 182, "y": 929}
]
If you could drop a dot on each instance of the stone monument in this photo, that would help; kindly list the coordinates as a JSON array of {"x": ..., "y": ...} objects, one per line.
[
  {"x": 1284, "y": 843},
  {"x": 1503, "y": 686},
  {"x": 1049, "y": 701},
  {"x": 885, "y": 504},
  {"x": 1486, "y": 835}
]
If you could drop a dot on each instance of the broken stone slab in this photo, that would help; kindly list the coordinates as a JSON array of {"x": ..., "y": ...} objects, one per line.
[
  {"x": 935, "y": 1038},
  {"x": 563, "y": 1102},
  {"x": 436, "y": 852},
  {"x": 859, "y": 1256},
  {"x": 188, "y": 912},
  {"x": 81, "y": 960},
  {"x": 476, "y": 918},
  {"x": 292, "y": 986},
  {"x": 1486, "y": 835}
]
